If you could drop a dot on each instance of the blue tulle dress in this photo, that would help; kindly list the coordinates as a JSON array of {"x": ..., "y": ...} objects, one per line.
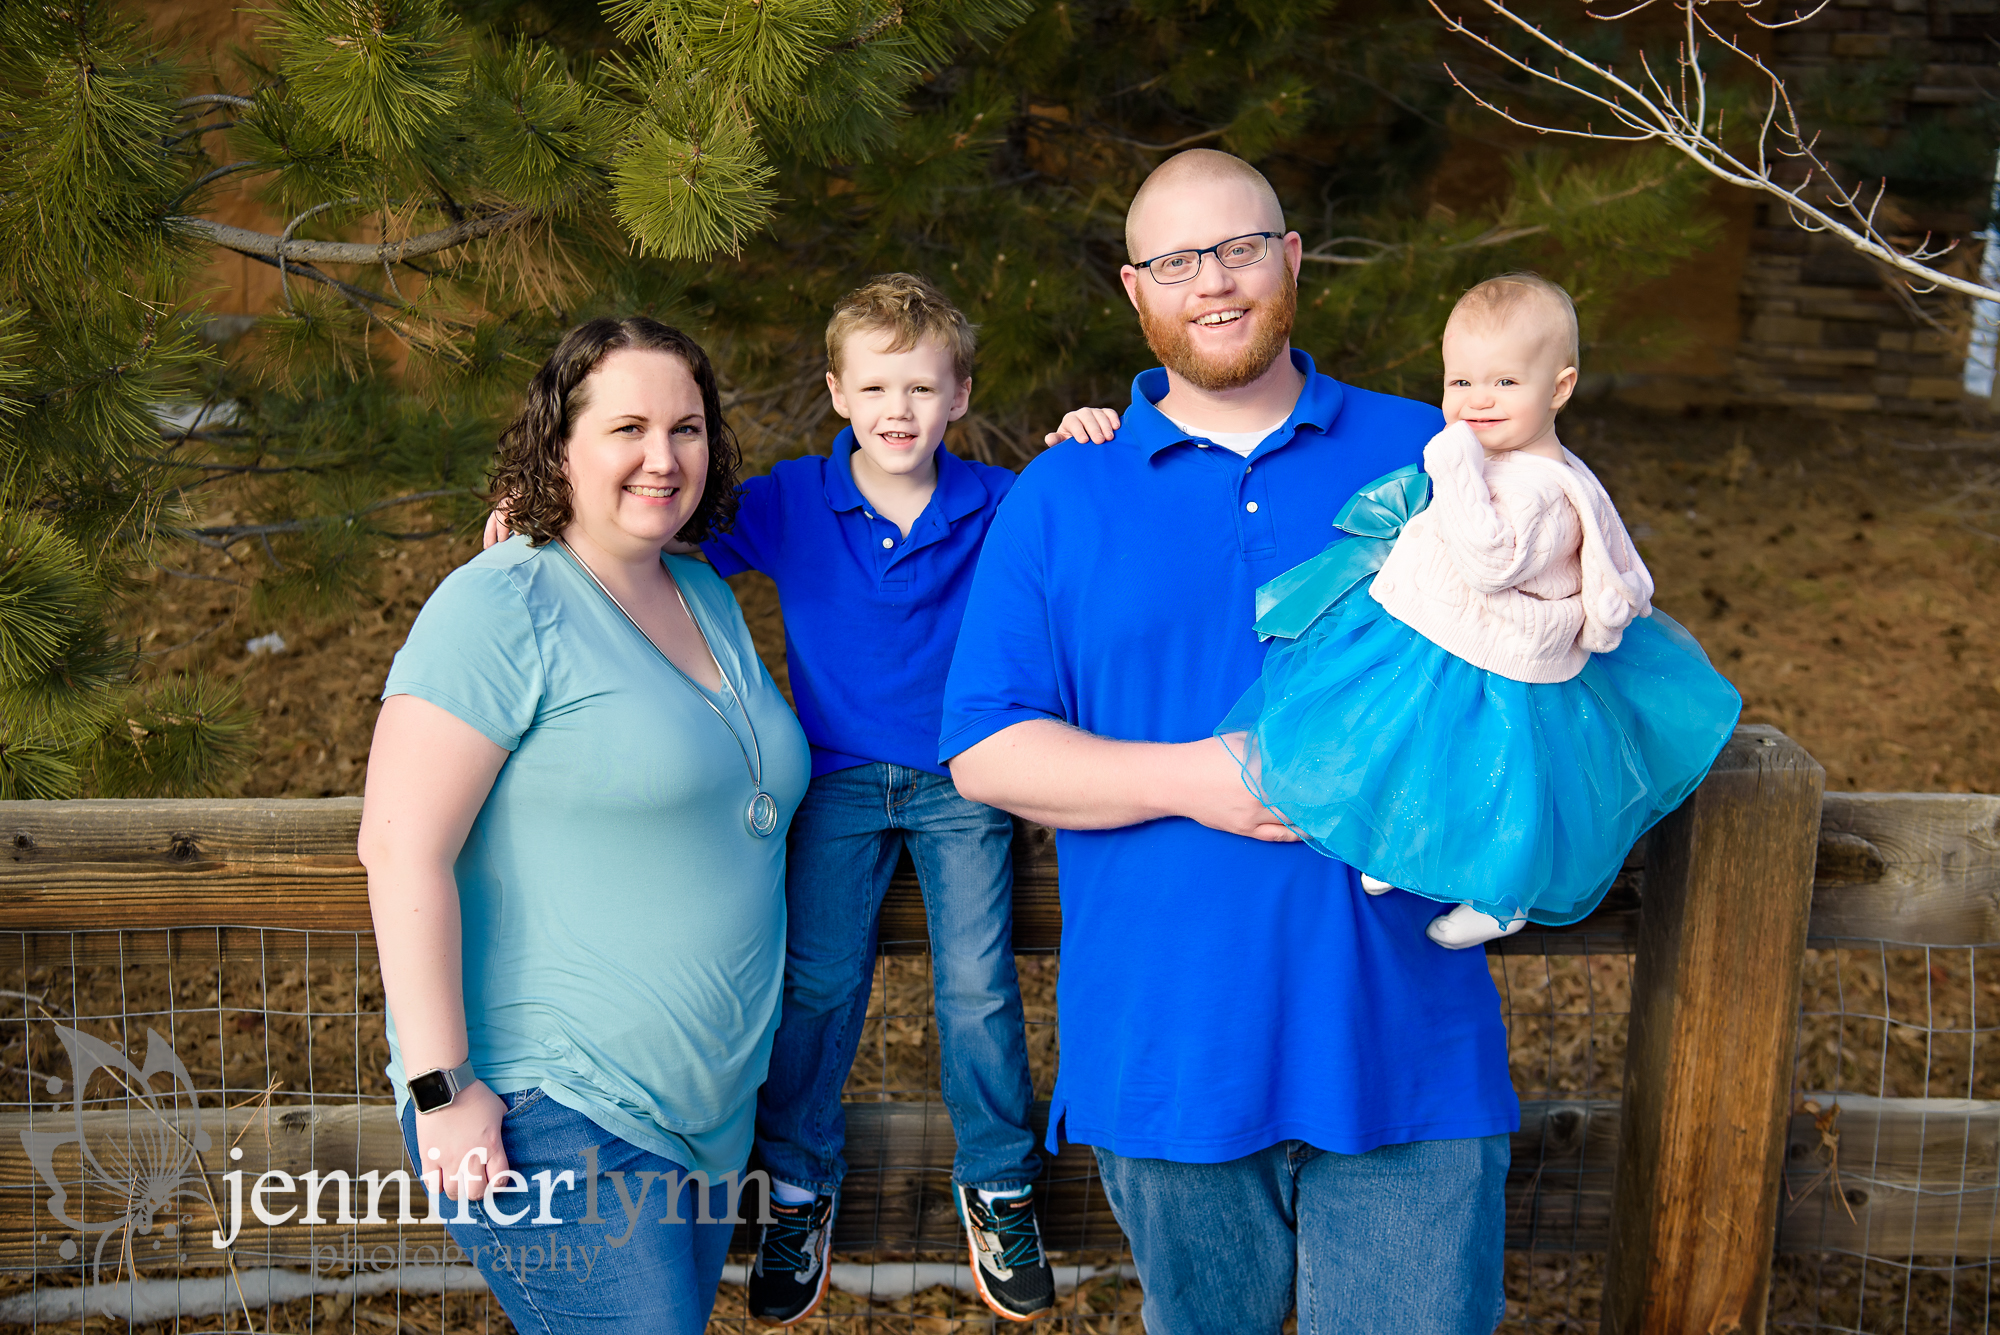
[{"x": 1450, "y": 781}]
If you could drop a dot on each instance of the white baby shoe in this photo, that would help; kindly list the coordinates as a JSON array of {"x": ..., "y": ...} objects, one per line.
[
  {"x": 1373, "y": 886},
  {"x": 1465, "y": 926}
]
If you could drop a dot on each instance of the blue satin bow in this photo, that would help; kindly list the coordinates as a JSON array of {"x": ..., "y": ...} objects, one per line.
[{"x": 1373, "y": 516}]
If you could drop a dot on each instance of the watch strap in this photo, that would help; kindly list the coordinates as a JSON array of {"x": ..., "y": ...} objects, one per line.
[{"x": 461, "y": 1075}]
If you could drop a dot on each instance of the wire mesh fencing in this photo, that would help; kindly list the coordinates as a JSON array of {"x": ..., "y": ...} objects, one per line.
[
  {"x": 142, "y": 1069},
  {"x": 1890, "y": 1210},
  {"x": 138, "y": 1066},
  {"x": 1567, "y": 1001}
]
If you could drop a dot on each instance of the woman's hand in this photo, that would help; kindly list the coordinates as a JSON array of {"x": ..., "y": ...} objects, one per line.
[
  {"x": 1096, "y": 425},
  {"x": 462, "y": 1141}
]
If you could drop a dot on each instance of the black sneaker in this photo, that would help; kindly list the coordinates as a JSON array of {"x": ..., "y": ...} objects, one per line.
[
  {"x": 789, "y": 1278},
  {"x": 1008, "y": 1263}
]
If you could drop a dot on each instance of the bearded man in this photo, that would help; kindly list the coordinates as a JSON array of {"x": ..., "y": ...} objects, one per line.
[{"x": 1295, "y": 1099}]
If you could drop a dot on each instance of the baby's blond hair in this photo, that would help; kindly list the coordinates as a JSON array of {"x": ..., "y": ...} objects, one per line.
[
  {"x": 909, "y": 310},
  {"x": 1510, "y": 296}
]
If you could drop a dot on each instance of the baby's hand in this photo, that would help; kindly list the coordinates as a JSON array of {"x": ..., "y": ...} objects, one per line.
[{"x": 1095, "y": 425}]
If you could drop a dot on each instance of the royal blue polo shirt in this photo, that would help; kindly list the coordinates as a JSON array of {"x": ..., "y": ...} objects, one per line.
[
  {"x": 1219, "y": 995},
  {"x": 870, "y": 616}
]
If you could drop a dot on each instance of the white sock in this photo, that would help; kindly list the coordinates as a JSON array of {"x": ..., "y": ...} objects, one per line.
[
  {"x": 988, "y": 1197},
  {"x": 787, "y": 1194}
]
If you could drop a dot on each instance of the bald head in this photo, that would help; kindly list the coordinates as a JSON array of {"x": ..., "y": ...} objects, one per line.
[
  {"x": 1194, "y": 189},
  {"x": 1525, "y": 305}
]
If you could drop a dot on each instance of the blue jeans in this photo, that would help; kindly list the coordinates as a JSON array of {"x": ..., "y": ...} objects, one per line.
[
  {"x": 844, "y": 843},
  {"x": 623, "y": 1272},
  {"x": 1404, "y": 1238}
]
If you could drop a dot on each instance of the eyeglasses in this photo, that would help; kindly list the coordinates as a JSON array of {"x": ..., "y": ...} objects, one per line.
[{"x": 1239, "y": 252}]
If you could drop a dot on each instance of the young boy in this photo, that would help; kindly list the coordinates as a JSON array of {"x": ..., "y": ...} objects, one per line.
[{"x": 873, "y": 549}]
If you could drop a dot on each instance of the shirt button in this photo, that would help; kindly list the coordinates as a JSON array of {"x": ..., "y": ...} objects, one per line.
[
  {"x": 1252, "y": 507},
  {"x": 1201, "y": 444},
  {"x": 891, "y": 542}
]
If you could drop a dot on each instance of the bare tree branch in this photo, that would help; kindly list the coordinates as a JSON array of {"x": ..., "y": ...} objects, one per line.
[
  {"x": 224, "y": 536},
  {"x": 226, "y": 99},
  {"x": 1675, "y": 111},
  {"x": 266, "y": 246},
  {"x": 1498, "y": 235},
  {"x": 1191, "y": 140}
]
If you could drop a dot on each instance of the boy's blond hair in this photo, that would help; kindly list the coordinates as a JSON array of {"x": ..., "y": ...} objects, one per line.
[
  {"x": 1509, "y": 296},
  {"x": 909, "y": 310}
]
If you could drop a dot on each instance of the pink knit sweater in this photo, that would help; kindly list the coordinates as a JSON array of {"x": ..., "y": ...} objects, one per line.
[{"x": 1520, "y": 565}]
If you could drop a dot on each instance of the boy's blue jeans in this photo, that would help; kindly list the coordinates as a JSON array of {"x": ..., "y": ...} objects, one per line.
[
  {"x": 844, "y": 845},
  {"x": 1405, "y": 1238}
]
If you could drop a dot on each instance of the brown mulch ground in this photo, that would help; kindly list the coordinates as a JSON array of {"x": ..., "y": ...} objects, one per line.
[{"x": 1838, "y": 572}]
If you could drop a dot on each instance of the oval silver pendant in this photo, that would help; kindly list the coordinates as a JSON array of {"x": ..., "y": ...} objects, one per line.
[{"x": 763, "y": 816}]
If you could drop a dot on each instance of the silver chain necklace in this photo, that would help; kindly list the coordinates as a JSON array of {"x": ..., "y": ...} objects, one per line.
[{"x": 762, "y": 813}]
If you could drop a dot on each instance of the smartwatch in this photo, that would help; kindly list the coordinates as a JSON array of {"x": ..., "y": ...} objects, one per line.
[{"x": 435, "y": 1089}]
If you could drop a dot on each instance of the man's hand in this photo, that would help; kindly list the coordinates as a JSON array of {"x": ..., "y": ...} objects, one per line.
[
  {"x": 1219, "y": 799},
  {"x": 448, "y": 1136},
  {"x": 1095, "y": 425},
  {"x": 1056, "y": 775}
]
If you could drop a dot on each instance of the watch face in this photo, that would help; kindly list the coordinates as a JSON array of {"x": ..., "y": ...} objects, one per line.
[{"x": 430, "y": 1091}]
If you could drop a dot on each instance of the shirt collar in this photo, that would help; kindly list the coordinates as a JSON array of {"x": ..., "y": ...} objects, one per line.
[
  {"x": 1152, "y": 431},
  {"x": 959, "y": 491}
]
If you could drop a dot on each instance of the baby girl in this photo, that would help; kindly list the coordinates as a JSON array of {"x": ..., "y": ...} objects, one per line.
[{"x": 1473, "y": 699}]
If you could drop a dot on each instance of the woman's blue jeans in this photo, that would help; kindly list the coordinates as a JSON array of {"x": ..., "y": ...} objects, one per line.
[
  {"x": 1404, "y": 1238},
  {"x": 622, "y": 1273},
  {"x": 844, "y": 845}
]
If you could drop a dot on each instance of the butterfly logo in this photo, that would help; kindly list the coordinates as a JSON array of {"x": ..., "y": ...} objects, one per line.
[{"x": 132, "y": 1164}]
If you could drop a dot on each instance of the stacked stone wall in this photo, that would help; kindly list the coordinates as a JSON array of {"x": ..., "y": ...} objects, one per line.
[{"x": 1824, "y": 327}]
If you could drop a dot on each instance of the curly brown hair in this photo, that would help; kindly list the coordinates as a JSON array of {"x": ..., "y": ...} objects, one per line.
[{"x": 527, "y": 474}]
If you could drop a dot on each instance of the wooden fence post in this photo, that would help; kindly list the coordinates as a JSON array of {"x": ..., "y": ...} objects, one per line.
[{"x": 1708, "y": 1067}]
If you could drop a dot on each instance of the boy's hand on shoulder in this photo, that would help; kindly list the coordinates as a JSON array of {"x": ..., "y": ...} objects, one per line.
[
  {"x": 496, "y": 527},
  {"x": 1096, "y": 425}
]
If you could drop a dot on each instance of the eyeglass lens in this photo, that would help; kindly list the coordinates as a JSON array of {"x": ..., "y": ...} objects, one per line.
[{"x": 1182, "y": 265}]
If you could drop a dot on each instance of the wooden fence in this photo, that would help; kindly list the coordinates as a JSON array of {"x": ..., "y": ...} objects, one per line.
[{"x": 1679, "y": 1181}]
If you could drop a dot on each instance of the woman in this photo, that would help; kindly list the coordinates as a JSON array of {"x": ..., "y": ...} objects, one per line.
[{"x": 574, "y": 832}]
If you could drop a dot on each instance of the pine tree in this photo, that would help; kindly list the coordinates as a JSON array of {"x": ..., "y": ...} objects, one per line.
[
  {"x": 459, "y": 180},
  {"x": 1008, "y": 181},
  {"x": 501, "y": 178}
]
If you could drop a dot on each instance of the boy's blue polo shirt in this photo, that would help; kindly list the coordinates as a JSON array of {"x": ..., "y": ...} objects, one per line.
[
  {"x": 1219, "y": 995},
  {"x": 870, "y": 616}
]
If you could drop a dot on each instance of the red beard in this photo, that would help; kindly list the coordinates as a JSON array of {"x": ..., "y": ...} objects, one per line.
[{"x": 1173, "y": 344}]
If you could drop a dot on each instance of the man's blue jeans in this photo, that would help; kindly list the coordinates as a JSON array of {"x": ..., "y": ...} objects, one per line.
[
  {"x": 844, "y": 844},
  {"x": 622, "y": 1273},
  {"x": 1405, "y": 1238}
]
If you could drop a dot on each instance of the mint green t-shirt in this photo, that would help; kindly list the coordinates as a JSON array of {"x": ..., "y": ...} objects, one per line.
[{"x": 624, "y": 930}]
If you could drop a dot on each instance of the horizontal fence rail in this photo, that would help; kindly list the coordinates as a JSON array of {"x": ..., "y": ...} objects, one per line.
[{"x": 1915, "y": 868}]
